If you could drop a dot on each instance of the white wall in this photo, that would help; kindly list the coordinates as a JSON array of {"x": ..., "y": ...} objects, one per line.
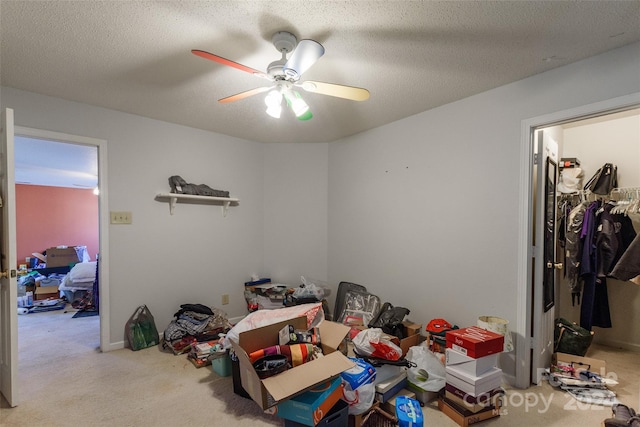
[
  {"x": 616, "y": 141},
  {"x": 295, "y": 211},
  {"x": 424, "y": 211},
  {"x": 160, "y": 260}
]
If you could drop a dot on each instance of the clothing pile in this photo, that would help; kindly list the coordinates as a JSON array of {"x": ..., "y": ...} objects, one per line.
[{"x": 193, "y": 324}]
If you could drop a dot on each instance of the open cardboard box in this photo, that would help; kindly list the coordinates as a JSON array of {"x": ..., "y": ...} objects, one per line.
[
  {"x": 558, "y": 360},
  {"x": 269, "y": 391}
]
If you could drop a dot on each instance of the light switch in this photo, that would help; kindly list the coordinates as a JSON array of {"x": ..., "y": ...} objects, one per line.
[{"x": 121, "y": 217}]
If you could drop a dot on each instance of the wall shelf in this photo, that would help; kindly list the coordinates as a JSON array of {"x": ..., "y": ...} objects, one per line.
[{"x": 173, "y": 198}]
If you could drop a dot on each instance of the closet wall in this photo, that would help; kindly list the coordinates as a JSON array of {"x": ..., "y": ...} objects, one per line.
[{"x": 615, "y": 139}]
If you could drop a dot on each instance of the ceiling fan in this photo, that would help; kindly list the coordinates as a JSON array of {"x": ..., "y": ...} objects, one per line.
[{"x": 286, "y": 74}]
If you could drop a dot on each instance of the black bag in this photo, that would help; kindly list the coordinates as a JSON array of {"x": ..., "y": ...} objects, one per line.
[
  {"x": 141, "y": 330},
  {"x": 570, "y": 338},
  {"x": 390, "y": 320},
  {"x": 604, "y": 180}
]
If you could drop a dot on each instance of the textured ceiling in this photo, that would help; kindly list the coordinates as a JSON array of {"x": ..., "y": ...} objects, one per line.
[{"x": 134, "y": 56}]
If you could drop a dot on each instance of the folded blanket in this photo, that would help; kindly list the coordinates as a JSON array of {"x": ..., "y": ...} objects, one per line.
[{"x": 296, "y": 353}]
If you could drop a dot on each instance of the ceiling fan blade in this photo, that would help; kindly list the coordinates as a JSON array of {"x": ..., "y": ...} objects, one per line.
[
  {"x": 303, "y": 57},
  {"x": 230, "y": 63},
  {"x": 245, "y": 94},
  {"x": 331, "y": 89}
]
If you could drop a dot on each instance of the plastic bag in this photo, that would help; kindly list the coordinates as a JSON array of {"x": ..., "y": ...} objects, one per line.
[
  {"x": 141, "y": 329},
  {"x": 360, "y": 399},
  {"x": 370, "y": 342},
  {"x": 429, "y": 373}
]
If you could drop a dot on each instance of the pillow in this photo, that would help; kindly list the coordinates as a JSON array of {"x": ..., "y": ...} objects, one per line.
[{"x": 83, "y": 271}]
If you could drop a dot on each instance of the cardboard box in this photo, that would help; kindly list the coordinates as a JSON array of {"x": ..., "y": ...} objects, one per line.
[
  {"x": 474, "y": 385},
  {"x": 270, "y": 391},
  {"x": 44, "y": 292},
  {"x": 485, "y": 401},
  {"x": 61, "y": 257},
  {"x": 413, "y": 337},
  {"x": 338, "y": 416},
  {"x": 466, "y": 418},
  {"x": 310, "y": 407},
  {"x": 470, "y": 399},
  {"x": 388, "y": 388},
  {"x": 475, "y": 342},
  {"x": 390, "y": 405},
  {"x": 470, "y": 365},
  {"x": 559, "y": 361}
]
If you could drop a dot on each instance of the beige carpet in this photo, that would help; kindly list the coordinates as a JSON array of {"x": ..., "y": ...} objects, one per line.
[{"x": 66, "y": 381}]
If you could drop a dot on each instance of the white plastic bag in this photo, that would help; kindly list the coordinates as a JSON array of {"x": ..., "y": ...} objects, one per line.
[
  {"x": 429, "y": 373},
  {"x": 360, "y": 399},
  {"x": 371, "y": 342}
]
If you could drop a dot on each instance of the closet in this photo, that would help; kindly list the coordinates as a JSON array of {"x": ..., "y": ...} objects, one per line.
[{"x": 615, "y": 139}]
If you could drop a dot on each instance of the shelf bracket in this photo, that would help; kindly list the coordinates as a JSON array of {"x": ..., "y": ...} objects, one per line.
[
  {"x": 225, "y": 208},
  {"x": 172, "y": 204}
]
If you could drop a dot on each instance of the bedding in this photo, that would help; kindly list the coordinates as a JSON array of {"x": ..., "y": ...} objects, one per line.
[{"x": 80, "y": 278}]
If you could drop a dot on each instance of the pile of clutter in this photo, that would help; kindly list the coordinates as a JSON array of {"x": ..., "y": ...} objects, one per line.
[
  {"x": 195, "y": 331},
  {"x": 584, "y": 378}
]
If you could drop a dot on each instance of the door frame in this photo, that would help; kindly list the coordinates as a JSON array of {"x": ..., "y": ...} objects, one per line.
[
  {"x": 103, "y": 213},
  {"x": 524, "y": 341}
]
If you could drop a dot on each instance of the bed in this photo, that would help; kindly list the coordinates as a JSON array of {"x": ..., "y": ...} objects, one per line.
[{"x": 78, "y": 281}]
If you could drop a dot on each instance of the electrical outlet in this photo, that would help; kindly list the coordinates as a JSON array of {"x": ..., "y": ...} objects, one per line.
[
  {"x": 120, "y": 217},
  {"x": 225, "y": 299}
]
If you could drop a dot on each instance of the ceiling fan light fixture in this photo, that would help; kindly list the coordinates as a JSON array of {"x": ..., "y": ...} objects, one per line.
[
  {"x": 273, "y": 101},
  {"x": 297, "y": 104}
]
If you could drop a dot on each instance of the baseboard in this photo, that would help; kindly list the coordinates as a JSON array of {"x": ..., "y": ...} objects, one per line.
[
  {"x": 116, "y": 346},
  {"x": 619, "y": 344}
]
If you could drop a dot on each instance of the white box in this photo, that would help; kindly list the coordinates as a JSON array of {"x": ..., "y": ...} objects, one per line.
[
  {"x": 471, "y": 366},
  {"x": 474, "y": 385}
]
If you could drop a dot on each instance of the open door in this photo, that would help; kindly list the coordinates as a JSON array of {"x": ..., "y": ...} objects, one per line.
[
  {"x": 544, "y": 262},
  {"x": 8, "y": 285}
]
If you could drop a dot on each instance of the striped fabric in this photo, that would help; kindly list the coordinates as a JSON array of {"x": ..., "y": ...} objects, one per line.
[{"x": 297, "y": 354}]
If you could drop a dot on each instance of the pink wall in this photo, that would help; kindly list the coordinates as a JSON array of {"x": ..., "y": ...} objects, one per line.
[{"x": 54, "y": 216}]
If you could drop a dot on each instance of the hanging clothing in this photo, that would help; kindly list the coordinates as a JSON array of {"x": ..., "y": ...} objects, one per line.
[
  {"x": 628, "y": 267},
  {"x": 594, "y": 310},
  {"x": 573, "y": 250},
  {"x": 613, "y": 236}
]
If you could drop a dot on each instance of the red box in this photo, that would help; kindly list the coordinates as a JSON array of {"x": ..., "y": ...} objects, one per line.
[{"x": 475, "y": 342}]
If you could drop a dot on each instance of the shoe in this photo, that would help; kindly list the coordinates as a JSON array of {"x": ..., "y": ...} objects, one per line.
[{"x": 623, "y": 416}]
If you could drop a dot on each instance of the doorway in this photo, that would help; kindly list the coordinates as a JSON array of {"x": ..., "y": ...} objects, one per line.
[
  {"x": 56, "y": 205},
  {"x": 103, "y": 215},
  {"x": 527, "y": 344}
]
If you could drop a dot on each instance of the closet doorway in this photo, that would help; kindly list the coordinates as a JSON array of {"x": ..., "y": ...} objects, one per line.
[
  {"x": 569, "y": 128},
  {"x": 612, "y": 138}
]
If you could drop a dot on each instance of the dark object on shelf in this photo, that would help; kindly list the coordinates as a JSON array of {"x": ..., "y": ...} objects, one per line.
[
  {"x": 180, "y": 186},
  {"x": 569, "y": 162},
  {"x": 604, "y": 180}
]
